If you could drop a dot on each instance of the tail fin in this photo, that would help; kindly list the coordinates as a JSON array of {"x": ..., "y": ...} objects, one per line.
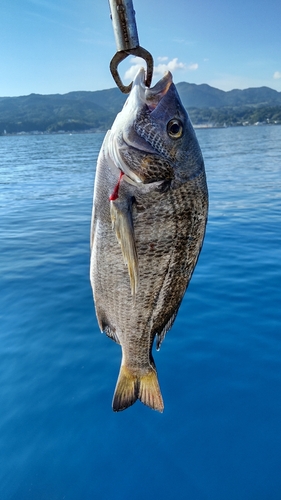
[{"x": 131, "y": 387}]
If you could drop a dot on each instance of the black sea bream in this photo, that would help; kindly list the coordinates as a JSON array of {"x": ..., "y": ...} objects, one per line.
[{"x": 148, "y": 225}]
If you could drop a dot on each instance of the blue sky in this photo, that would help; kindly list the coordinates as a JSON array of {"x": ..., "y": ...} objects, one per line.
[{"x": 56, "y": 46}]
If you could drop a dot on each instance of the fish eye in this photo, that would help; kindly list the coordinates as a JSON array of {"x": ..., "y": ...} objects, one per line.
[{"x": 175, "y": 129}]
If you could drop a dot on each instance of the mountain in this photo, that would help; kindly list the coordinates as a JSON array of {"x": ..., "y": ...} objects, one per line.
[
  {"x": 53, "y": 112},
  {"x": 205, "y": 96},
  {"x": 82, "y": 110}
]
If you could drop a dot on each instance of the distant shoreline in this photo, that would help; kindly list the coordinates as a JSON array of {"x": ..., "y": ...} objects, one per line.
[{"x": 89, "y": 132}]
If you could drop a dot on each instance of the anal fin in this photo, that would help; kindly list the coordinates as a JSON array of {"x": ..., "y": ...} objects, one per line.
[
  {"x": 122, "y": 223},
  {"x": 162, "y": 333},
  {"x": 111, "y": 334}
]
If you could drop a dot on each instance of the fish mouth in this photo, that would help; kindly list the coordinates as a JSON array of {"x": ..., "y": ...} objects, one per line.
[{"x": 151, "y": 96}]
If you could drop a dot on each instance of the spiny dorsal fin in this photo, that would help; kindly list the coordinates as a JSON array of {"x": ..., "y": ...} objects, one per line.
[{"x": 122, "y": 223}]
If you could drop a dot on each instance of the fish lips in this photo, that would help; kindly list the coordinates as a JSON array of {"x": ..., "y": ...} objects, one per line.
[{"x": 151, "y": 96}]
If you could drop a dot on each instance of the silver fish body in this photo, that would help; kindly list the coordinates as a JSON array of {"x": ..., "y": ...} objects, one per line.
[{"x": 148, "y": 225}]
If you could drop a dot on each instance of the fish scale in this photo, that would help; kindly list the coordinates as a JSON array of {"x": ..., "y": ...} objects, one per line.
[{"x": 146, "y": 239}]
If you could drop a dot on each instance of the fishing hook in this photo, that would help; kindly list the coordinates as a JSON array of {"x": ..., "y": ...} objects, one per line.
[{"x": 127, "y": 41}]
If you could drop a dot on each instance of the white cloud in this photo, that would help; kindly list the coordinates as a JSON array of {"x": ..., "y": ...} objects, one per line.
[
  {"x": 277, "y": 75},
  {"x": 162, "y": 67},
  {"x": 137, "y": 63},
  {"x": 172, "y": 65},
  {"x": 193, "y": 67}
]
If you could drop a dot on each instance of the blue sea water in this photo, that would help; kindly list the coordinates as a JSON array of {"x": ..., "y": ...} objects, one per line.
[{"x": 219, "y": 367}]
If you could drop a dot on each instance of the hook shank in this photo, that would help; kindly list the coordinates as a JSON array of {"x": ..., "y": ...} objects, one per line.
[{"x": 124, "y": 24}]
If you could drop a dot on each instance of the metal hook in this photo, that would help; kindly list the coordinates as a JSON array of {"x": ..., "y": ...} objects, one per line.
[
  {"x": 120, "y": 56},
  {"x": 126, "y": 37}
]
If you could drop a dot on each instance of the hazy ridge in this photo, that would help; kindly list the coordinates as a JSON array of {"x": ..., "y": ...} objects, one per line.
[{"x": 86, "y": 110}]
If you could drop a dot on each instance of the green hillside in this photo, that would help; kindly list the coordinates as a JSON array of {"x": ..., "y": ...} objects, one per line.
[{"x": 95, "y": 111}]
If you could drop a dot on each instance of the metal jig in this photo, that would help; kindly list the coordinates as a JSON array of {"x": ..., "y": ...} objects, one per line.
[{"x": 127, "y": 41}]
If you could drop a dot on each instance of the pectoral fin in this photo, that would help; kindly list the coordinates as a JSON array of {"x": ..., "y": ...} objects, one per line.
[{"x": 122, "y": 223}]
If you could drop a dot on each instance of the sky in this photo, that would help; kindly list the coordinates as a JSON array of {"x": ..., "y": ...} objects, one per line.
[{"x": 58, "y": 46}]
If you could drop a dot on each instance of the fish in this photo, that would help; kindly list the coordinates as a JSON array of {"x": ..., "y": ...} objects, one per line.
[{"x": 149, "y": 217}]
